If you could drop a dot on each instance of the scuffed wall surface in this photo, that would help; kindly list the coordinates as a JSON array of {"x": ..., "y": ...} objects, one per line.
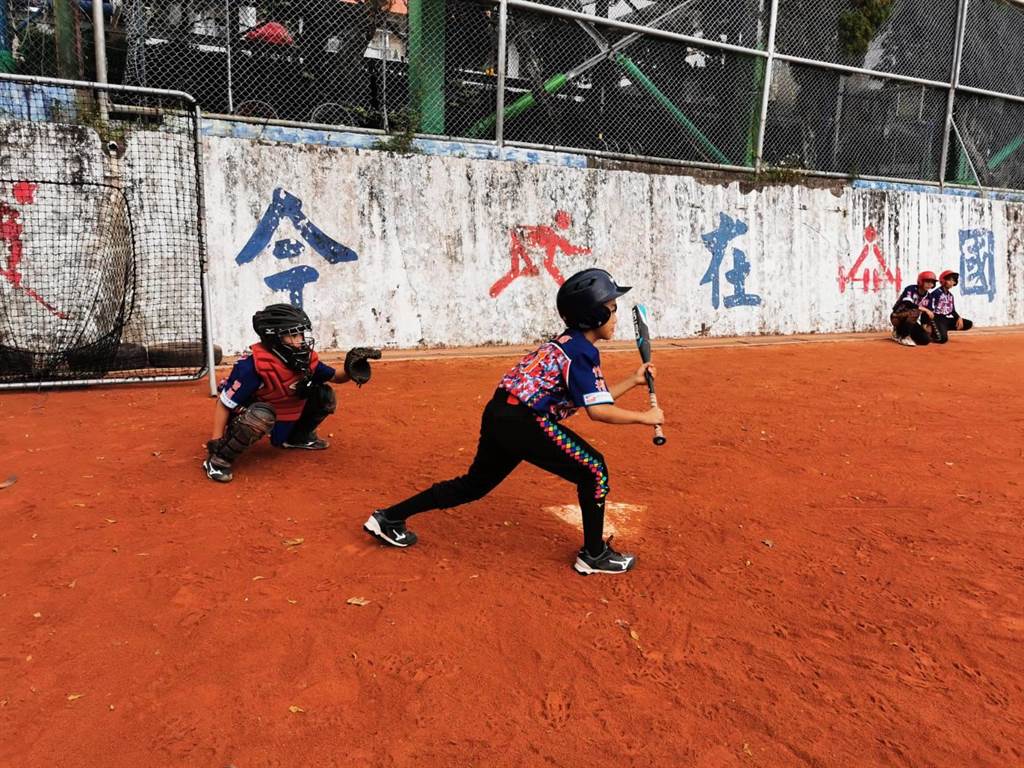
[{"x": 433, "y": 237}]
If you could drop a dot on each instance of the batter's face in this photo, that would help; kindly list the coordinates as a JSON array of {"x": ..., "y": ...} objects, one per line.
[
  {"x": 949, "y": 282},
  {"x": 607, "y": 330}
]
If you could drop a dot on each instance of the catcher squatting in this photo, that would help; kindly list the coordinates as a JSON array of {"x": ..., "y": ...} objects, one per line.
[{"x": 281, "y": 389}]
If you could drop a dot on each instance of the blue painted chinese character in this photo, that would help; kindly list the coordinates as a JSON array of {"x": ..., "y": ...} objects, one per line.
[
  {"x": 978, "y": 263},
  {"x": 717, "y": 242},
  {"x": 284, "y": 205}
]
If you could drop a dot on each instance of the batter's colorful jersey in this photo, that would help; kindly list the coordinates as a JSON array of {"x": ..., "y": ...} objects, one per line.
[
  {"x": 942, "y": 302},
  {"x": 242, "y": 384},
  {"x": 559, "y": 377}
]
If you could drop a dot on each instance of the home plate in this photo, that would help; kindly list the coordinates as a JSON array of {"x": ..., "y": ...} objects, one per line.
[{"x": 618, "y": 518}]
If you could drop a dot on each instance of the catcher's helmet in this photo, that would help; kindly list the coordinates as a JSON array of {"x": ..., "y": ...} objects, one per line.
[
  {"x": 581, "y": 299},
  {"x": 277, "y": 320},
  {"x": 950, "y": 273},
  {"x": 924, "y": 276}
]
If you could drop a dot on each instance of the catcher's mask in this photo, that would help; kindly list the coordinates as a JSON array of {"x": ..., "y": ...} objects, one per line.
[{"x": 275, "y": 322}]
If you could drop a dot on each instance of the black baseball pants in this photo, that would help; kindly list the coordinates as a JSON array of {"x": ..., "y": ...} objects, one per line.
[
  {"x": 944, "y": 324},
  {"x": 509, "y": 434},
  {"x": 915, "y": 331}
]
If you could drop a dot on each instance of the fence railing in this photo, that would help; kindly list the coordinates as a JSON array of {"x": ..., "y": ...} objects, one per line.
[{"x": 899, "y": 89}]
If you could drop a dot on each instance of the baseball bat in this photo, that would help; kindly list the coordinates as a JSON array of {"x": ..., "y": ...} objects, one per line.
[{"x": 643, "y": 343}]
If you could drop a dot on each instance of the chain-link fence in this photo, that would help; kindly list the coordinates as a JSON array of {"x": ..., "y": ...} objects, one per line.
[{"x": 855, "y": 87}]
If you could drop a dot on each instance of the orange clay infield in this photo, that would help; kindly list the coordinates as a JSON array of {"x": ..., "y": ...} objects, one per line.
[{"x": 830, "y": 573}]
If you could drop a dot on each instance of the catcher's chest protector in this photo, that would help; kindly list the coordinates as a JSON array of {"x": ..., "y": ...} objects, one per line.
[{"x": 279, "y": 383}]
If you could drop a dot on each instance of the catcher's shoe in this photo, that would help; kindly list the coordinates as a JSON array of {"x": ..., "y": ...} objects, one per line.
[
  {"x": 313, "y": 444},
  {"x": 388, "y": 531},
  {"x": 217, "y": 472},
  {"x": 608, "y": 561},
  {"x": 906, "y": 341}
]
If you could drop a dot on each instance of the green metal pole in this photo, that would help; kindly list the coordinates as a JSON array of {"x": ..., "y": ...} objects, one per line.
[
  {"x": 634, "y": 72},
  {"x": 426, "y": 63},
  {"x": 1003, "y": 154},
  {"x": 517, "y": 107},
  {"x": 750, "y": 153},
  {"x": 66, "y": 39}
]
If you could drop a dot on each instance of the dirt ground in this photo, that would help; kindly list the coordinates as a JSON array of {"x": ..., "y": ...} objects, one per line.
[{"x": 830, "y": 573}]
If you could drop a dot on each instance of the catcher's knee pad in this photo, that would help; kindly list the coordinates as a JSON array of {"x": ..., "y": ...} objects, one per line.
[{"x": 244, "y": 430}]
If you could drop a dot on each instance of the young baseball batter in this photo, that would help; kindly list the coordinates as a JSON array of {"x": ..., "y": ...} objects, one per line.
[
  {"x": 946, "y": 317},
  {"x": 279, "y": 389},
  {"x": 912, "y": 317},
  {"x": 521, "y": 423}
]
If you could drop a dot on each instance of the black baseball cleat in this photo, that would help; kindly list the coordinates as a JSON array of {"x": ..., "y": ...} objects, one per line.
[
  {"x": 217, "y": 472},
  {"x": 389, "y": 532},
  {"x": 313, "y": 444},
  {"x": 608, "y": 561}
]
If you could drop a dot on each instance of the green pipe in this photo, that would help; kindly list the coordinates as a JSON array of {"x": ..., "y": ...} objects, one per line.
[
  {"x": 750, "y": 153},
  {"x": 518, "y": 106},
  {"x": 426, "y": 64},
  {"x": 963, "y": 168},
  {"x": 66, "y": 39},
  {"x": 634, "y": 72},
  {"x": 1003, "y": 154}
]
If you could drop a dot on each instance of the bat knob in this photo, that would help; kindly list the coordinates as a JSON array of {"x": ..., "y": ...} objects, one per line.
[{"x": 659, "y": 440}]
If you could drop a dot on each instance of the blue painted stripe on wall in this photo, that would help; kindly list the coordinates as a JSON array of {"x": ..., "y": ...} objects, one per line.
[
  {"x": 353, "y": 140},
  {"x": 927, "y": 189}
]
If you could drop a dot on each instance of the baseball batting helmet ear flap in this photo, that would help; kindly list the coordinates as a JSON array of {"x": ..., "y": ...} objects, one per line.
[
  {"x": 925, "y": 276},
  {"x": 581, "y": 299},
  {"x": 950, "y": 273},
  {"x": 278, "y": 320}
]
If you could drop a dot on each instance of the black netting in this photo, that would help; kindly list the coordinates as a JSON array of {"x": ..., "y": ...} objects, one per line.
[{"x": 100, "y": 250}]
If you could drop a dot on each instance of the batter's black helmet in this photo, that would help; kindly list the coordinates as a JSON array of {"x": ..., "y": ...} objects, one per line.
[
  {"x": 277, "y": 320},
  {"x": 582, "y": 298}
]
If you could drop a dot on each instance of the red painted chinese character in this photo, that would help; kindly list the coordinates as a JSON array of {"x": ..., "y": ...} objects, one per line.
[
  {"x": 869, "y": 278},
  {"x": 10, "y": 235},
  {"x": 543, "y": 237}
]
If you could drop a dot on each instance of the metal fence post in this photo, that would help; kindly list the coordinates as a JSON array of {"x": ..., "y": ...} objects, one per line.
[
  {"x": 767, "y": 89},
  {"x": 499, "y": 125},
  {"x": 229, "y": 32},
  {"x": 954, "y": 82}
]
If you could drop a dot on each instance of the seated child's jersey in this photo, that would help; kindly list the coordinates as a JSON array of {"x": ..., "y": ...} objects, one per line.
[
  {"x": 560, "y": 376},
  {"x": 245, "y": 385},
  {"x": 914, "y": 295},
  {"x": 942, "y": 302}
]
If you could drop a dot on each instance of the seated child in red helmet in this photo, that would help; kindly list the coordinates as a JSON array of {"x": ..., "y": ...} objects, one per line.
[
  {"x": 946, "y": 317},
  {"x": 521, "y": 423},
  {"x": 912, "y": 314},
  {"x": 279, "y": 389}
]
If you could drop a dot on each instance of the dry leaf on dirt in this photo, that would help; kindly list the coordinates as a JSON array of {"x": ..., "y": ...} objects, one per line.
[
  {"x": 633, "y": 633},
  {"x": 73, "y": 696},
  {"x": 357, "y": 601},
  {"x": 37, "y": 615},
  {"x": 295, "y": 710},
  {"x": 9, "y": 482},
  {"x": 292, "y": 542},
  {"x": 258, "y": 578}
]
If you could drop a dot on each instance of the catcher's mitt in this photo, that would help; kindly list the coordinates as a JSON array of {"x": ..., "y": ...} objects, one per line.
[{"x": 357, "y": 363}]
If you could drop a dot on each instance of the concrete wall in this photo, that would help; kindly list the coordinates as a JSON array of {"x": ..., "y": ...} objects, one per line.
[{"x": 429, "y": 250}]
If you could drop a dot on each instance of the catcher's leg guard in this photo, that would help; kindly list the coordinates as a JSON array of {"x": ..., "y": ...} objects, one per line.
[
  {"x": 242, "y": 431},
  {"x": 320, "y": 403}
]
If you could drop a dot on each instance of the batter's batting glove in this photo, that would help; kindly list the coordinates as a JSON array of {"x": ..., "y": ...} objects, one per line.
[{"x": 357, "y": 363}]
